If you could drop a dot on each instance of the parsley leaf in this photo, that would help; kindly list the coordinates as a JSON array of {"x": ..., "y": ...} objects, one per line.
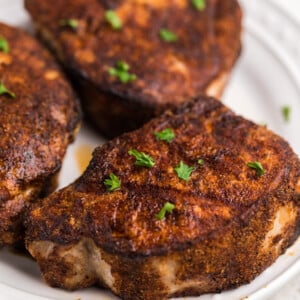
[
  {"x": 168, "y": 207},
  {"x": 199, "y": 4},
  {"x": 200, "y": 162},
  {"x": 112, "y": 183},
  {"x": 256, "y": 166},
  {"x": 113, "y": 19},
  {"x": 183, "y": 171},
  {"x": 5, "y": 91},
  {"x": 121, "y": 72},
  {"x": 72, "y": 23},
  {"x": 4, "y": 47},
  {"x": 286, "y": 112},
  {"x": 167, "y": 35},
  {"x": 165, "y": 135},
  {"x": 142, "y": 159},
  {"x": 122, "y": 65}
]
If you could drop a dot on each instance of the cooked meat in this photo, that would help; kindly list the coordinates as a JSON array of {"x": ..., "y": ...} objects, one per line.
[
  {"x": 39, "y": 114},
  {"x": 224, "y": 223},
  {"x": 167, "y": 73}
]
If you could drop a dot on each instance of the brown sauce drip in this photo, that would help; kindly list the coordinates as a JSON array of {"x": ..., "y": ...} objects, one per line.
[{"x": 83, "y": 156}]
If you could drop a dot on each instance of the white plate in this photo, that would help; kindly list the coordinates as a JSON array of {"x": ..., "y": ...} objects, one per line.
[{"x": 266, "y": 78}]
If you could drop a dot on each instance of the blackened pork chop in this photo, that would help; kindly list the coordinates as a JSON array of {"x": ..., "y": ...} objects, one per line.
[
  {"x": 198, "y": 200},
  {"x": 38, "y": 116},
  {"x": 160, "y": 54}
]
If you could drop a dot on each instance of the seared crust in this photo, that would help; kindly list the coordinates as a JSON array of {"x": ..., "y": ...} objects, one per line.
[
  {"x": 35, "y": 127},
  {"x": 228, "y": 30},
  {"x": 228, "y": 224},
  {"x": 168, "y": 73}
]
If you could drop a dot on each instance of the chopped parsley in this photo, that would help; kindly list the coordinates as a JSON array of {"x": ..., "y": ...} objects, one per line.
[
  {"x": 5, "y": 91},
  {"x": 142, "y": 159},
  {"x": 112, "y": 183},
  {"x": 122, "y": 65},
  {"x": 168, "y": 36},
  {"x": 113, "y": 19},
  {"x": 4, "y": 47},
  {"x": 200, "y": 162},
  {"x": 256, "y": 166},
  {"x": 183, "y": 171},
  {"x": 72, "y": 23},
  {"x": 168, "y": 207},
  {"x": 165, "y": 135},
  {"x": 286, "y": 113},
  {"x": 199, "y": 4},
  {"x": 121, "y": 72}
]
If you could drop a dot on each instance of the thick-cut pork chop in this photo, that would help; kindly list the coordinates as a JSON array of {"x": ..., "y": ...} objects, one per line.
[
  {"x": 207, "y": 205},
  {"x": 167, "y": 70},
  {"x": 39, "y": 114}
]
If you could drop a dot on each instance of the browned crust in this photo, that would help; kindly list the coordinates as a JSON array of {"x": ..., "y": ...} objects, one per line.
[
  {"x": 226, "y": 261},
  {"x": 218, "y": 237},
  {"x": 222, "y": 262},
  {"x": 168, "y": 74},
  {"x": 221, "y": 193},
  {"x": 35, "y": 127},
  {"x": 228, "y": 30}
]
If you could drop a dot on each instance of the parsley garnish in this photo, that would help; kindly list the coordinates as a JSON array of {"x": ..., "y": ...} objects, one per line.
[
  {"x": 200, "y": 162},
  {"x": 199, "y": 4},
  {"x": 286, "y": 112},
  {"x": 183, "y": 171},
  {"x": 5, "y": 91},
  {"x": 256, "y": 166},
  {"x": 142, "y": 159},
  {"x": 121, "y": 72},
  {"x": 113, "y": 19},
  {"x": 122, "y": 65},
  {"x": 112, "y": 183},
  {"x": 4, "y": 47},
  {"x": 165, "y": 135},
  {"x": 167, "y": 35},
  {"x": 72, "y": 23},
  {"x": 168, "y": 207}
]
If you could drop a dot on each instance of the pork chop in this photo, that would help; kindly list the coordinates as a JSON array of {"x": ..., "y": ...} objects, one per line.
[
  {"x": 39, "y": 114},
  {"x": 169, "y": 51},
  {"x": 198, "y": 200}
]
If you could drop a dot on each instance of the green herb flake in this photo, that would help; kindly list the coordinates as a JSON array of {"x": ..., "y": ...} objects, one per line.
[
  {"x": 165, "y": 135},
  {"x": 168, "y": 207},
  {"x": 199, "y": 4},
  {"x": 256, "y": 166},
  {"x": 72, "y": 23},
  {"x": 5, "y": 91},
  {"x": 4, "y": 47},
  {"x": 286, "y": 113},
  {"x": 142, "y": 159},
  {"x": 183, "y": 171},
  {"x": 112, "y": 183},
  {"x": 200, "y": 162},
  {"x": 121, "y": 72},
  {"x": 168, "y": 36},
  {"x": 113, "y": 19},
  {"x": 122, "y": 65}
]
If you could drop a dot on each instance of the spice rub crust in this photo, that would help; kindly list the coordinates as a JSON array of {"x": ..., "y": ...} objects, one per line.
[
  {"x": 229, "y": 222},
  {"x": 39, "y": 116},
  {"x": 198, "y": 62}
]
